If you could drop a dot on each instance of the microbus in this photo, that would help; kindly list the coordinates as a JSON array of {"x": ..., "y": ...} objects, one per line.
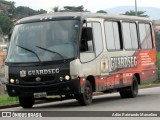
[{"x": 73, "y": 54}]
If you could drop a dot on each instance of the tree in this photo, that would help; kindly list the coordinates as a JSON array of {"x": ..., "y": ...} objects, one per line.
[
  {"x": 1, "y": 32},
  {"x": 101, "y": 11},
  {"x": 139, "y": 13},
  {"x": 74, "y": 9},
  {"x": 41, "y": 11},
  {"x": 7, "y": 7},
  {"x": 5, "y": 23},
  {"x": 157, "y": 36},
  {"x": 56, "y": 9},
  {"x": 9, "y": 13},
  {"x": 23, "y": 11}
]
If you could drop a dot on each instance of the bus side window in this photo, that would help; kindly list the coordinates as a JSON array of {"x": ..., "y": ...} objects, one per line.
[
  {"x": 86, "y": 44},
  {"x": 145, "y": 36},
  {"x": 113, "y": 35}
]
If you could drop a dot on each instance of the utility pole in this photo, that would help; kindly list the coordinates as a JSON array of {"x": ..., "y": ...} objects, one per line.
[{"x": 135, "y": 7}]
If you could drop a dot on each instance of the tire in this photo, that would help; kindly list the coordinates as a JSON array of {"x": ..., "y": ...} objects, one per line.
[
  {"x": 26, "y": 102},
  {"x": 130, "y": 92},
  {"x": 86, "y": 97}
]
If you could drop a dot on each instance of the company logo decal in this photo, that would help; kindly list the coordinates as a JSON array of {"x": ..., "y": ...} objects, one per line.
[
  {"x": 38, "y": 79},
  {"x": 104, "y": 66},
  {"x": 24, "y": 73},
  {"x": 123, "y": 62}
]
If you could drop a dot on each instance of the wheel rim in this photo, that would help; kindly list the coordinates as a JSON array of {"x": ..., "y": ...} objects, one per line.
[
  {"x": 88, "y": 93},
  {"x": 135, "y": 88}
]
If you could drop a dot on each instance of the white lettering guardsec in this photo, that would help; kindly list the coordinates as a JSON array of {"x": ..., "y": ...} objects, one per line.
[{"x": 43, "y": 72}]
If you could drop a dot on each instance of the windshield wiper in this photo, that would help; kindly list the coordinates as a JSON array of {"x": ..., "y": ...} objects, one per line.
[
  {"x": 29, "y": 51},
  {"x": 52, "y": 52}
]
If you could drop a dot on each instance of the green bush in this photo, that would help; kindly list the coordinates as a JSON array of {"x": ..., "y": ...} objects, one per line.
[{"x": 158, "y": 65}]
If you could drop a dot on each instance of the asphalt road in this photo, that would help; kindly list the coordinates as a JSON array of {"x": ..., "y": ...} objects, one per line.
[{"x": 147, "y": 100}]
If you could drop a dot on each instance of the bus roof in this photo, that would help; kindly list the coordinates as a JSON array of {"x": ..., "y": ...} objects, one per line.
[{"x": 81, "y": 16}]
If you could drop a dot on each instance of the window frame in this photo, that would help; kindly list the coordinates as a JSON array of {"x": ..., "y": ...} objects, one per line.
[
  {"x": 94, "y": 38},
  {"x": 137, "y": 31},
  {"x": 86, "y": 22},
  {"x": 151, "y": 30},
  {"x": 94, "y": 47},
  {"x": 119, "y": 22}
]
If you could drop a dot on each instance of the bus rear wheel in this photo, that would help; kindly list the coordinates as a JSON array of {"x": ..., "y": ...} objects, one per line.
[
  {"x": 130, "y": 92},
  {"x": 26, "y": 102},
  {"x": 86, "y": 97}
]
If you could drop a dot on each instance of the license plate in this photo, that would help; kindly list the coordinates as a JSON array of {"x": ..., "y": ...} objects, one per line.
[{"x": 40, "y": 95}]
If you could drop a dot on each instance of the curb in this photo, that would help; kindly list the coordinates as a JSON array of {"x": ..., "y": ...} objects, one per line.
[
  {"x": 40, "y": 102},
  {"x": 143, "y": 87},
  {"x": 9, "y": 106},
  {"x": 18, "y": 105}
]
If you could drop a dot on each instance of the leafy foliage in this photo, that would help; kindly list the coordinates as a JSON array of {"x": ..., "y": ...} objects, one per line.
[
  {"x": 22, "y": 11},
  {"x": 56, "y": 9},
  {"x": 158, "y": 65},
  {"x": 101, "y": 11},
  {"x": 74, "y": 9},
  {"x": 5, "y": 23},
  {"x": 7, "y": 7},
  {"x": 139, "y": 13},
  {"x": 1, "y": 32},
  {"x": 70, "y": 9},
  {"x": 157, "y": 36},
  {"x": 8, "y": 13},
  {"x": 41, "y": 11}
]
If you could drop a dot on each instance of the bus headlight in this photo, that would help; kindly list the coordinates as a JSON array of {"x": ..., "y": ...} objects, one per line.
[
  {"x": 11, "y": 81},
  {"x": 67, "y": 77}
]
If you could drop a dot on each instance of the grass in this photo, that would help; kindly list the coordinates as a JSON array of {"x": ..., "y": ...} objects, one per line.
[
  {"x": 6, "y": 100},
  {"x": 150, "y": 84}
]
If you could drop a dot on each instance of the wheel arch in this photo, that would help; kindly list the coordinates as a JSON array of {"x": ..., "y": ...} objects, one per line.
[
  {"x": 138, "y": 78},
  {"x": 91, "y": 79}
]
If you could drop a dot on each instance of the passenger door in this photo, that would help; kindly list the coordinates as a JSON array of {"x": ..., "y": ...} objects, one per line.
[{"x": 93, "y": 50}]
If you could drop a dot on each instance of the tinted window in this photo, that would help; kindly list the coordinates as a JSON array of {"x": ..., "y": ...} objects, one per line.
[
  {"x": 112, "y": 35},
  {"x": 127, "y": 36},
  {"x": 44, "y": 41},
  {"x": 145, "y": 36},
  {"x": 148, "y": 36},
  {"x": 142, "y": 31},
  {"x": 87, "y": 38},
  {"x": 97, "y": 38},
  {"x": 116, "y": 35},
  {"x": 130, "y": 35},
  {"x": 134, "y": 39},
  {"x": 109, "y": 35}
]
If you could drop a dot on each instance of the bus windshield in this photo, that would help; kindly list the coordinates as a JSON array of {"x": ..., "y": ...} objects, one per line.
[{"x": 44, "y": 41}]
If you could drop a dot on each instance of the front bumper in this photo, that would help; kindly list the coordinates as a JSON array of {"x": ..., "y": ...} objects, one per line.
[{"x": 67, "y": 87}]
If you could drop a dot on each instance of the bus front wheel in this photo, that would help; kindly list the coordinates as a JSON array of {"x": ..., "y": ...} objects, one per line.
[
  {"x": 26, "y": 102},
  {"x": 130, "y": 92},
  {"x": 86, "y": 97}
]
